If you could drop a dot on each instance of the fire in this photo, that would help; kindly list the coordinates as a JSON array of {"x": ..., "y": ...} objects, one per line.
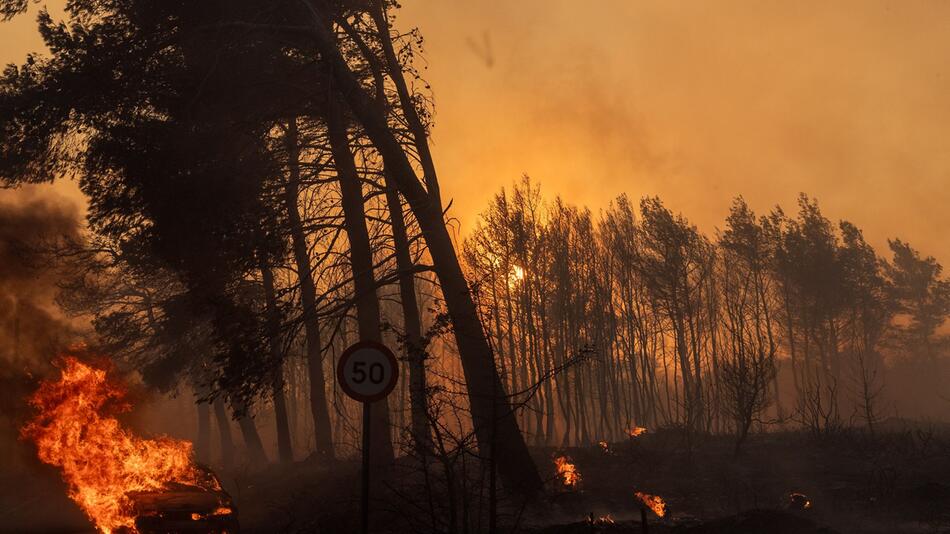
[
  {"x": 600, "y": 521},
  {"x": 100, "y": 460},
  {"x": 799, "y": 501},
  {"x": 604, "y": 447},
  {"x": 653, "y": 502},
  {"x": 636, "y": 431},
  {"x": 567, "y": 472},
  {"x": 218, "y": 511}
]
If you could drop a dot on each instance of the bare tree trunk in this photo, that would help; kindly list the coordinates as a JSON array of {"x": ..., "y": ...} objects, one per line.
[
  {"x": 252, "y": 440},
  {"x": 323, "y": 437},
  {"x": 515, "y": 465},
  {"x": 361, "y": 261},
  {"x": 203, "y": 443},
  {"x": 284, "y": 448},
  {"x": 224, "y": 433},
  {"x": 412, "y": 324}
]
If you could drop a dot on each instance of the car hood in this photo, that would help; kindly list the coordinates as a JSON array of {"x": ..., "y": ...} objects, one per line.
[{"x": 195, "y": 500}]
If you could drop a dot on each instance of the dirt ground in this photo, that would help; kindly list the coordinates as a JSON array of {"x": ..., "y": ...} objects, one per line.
[
  {"x": 893, "y": 482},
  {"x": 897, "y": 481}
]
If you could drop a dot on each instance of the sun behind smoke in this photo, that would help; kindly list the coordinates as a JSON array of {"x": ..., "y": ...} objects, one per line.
[{"x": 100, "y": 460}]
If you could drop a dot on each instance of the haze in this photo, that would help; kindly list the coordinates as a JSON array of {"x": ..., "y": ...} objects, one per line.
[
  {"x": 845, "y": 101},
  {"x": 565, "y": 365}
]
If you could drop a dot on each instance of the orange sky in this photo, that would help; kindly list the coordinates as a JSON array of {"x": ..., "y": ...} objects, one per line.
[{"x": 694, "y": 101}]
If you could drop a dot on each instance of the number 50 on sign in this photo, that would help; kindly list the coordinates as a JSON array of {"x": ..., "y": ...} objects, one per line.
[{"x": 367, "y": 371}]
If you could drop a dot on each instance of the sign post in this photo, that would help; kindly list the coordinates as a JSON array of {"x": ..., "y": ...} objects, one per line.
[{"x": 367, "y": 372}]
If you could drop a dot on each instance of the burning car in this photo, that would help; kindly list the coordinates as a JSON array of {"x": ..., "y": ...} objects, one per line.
[
  {"x": 122, "y": 482},
  {"x": 193, "y": 508}
]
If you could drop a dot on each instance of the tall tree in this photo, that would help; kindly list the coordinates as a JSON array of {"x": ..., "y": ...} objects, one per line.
[
  {"x": 319, "y": 410},
  {"x": 749, "y": 366},
  {"x": 413, "y": 342},
  {"x": 494, "y": 421},
  {"x": 361, "y": 261},
  {"x": 284, "y": 448},
  {"x": 922, "y": 294}
]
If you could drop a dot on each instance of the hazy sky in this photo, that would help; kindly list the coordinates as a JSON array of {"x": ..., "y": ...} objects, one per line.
[{"x": 694, "y": 101}]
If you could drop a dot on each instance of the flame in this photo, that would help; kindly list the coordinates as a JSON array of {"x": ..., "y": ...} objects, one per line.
[
  {"x": 800, "y": 500},
  {"x": 636, "y": 431},
  {"x": 604, "y": 447},
  {"x": 653, "y": 502},
  {"x": 221, "y": 510},
  {"x": 101, "y": 461},
  {"x": 600, "y": 521},
  {"x": 567, "y": 472}
]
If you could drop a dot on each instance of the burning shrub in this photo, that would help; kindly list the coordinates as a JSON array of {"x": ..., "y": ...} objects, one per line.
[
  {"x": 567, "y": 473},
  {"x": 653, "y": 502}
]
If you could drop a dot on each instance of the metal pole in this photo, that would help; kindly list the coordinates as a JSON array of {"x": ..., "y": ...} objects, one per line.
[{"x": 364, "y": 508}]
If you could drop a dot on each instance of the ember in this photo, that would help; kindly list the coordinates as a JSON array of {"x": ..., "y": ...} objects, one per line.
[
  {"x": 101, "y": 461},
  {"x": 798, "y": 501},
  {"x": 566, "y": 471},
  {"x": 653, "y": 502}
]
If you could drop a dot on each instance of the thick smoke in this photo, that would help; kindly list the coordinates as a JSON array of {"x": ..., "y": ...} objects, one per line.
[
  {"x": 33, "y": 223},
  {"x": 698, "y": 102}
]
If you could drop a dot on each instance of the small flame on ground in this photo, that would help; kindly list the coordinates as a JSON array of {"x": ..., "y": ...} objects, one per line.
[
  {"x": 636, "y": 431},
  {"x": 101, "y": 461},
  {"x": 567, "y": 473},
  {"x": 653, "y": 502},
  {"x": 603, "y": 520},
  {"x": 604, "y": 447}
]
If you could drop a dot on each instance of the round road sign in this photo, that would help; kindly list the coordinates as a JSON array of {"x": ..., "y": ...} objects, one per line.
[{"x": 367, "y": 371}]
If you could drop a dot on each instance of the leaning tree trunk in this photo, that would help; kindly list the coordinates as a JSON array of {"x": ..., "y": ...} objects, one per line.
[
  {"x": 492, "y": 415},
  {"x": 361, "y": 262},
  {"x": 323, "y": 436},
  {"x": 224, "y": 433},
  {"x": 412, "y": 324},
  {"x": 284, "y": 450}
]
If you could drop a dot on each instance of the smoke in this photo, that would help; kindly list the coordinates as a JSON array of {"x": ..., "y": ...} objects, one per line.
[
  {"x": 699, "y": 102},
  {"x": 33, "y": 220},
  {"x": 31, "y": 225}
]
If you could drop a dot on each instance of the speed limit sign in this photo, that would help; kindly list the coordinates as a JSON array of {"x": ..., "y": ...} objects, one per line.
[{"x": 367, "y": 371}]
